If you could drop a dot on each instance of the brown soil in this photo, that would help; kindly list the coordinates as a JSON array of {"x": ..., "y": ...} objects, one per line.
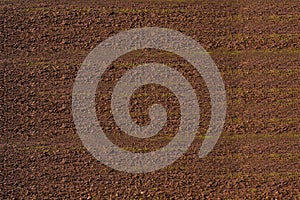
[{"x": 256, "y": 46}]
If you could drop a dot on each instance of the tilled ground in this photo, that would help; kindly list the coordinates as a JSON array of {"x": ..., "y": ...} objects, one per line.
[{"x": 256, "y": 46}]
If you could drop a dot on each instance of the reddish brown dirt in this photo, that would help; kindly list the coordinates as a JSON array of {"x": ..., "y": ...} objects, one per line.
[{"x": 256, "y": 46}]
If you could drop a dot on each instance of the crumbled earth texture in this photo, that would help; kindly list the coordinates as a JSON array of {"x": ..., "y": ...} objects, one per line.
[{"x": 256, "y": 46}]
